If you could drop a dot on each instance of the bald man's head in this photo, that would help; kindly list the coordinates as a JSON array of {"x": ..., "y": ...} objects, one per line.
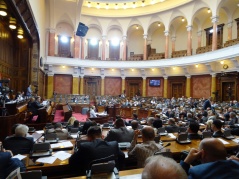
[
  {"x": 148, "y": 133},
  {"x": 162, "y": 167},
  {"x": 213, "y": 150}
]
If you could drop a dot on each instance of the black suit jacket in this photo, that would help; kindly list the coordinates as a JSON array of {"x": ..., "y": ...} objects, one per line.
[
  {"x": 217, "y": 134},
  {"x": 207, "y": 104},
  {"x": 89, "y": 151}
]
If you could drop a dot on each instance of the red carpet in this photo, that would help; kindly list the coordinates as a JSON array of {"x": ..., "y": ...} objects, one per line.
[{"x": 59, "y": 116}]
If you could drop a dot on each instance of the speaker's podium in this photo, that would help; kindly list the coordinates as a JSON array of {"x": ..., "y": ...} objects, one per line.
[{"x": 82, "y": 29}]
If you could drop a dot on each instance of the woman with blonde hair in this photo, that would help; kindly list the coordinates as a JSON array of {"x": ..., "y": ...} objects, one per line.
[{"x": 71, "y": 121}]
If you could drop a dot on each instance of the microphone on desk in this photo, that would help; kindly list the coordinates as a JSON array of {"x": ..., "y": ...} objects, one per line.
[
  {"x": 168, "y": 144},
  {"x": 36, "y": 141}
]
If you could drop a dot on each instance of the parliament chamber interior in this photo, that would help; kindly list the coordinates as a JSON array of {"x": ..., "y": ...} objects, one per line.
[{"x": 102, "y": 61}]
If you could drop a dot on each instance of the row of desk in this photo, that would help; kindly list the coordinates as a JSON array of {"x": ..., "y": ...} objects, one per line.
[{"x": 60, "y": 169}]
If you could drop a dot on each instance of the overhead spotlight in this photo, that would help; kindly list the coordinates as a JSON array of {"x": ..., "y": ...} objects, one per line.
[
  {"x": 174, "y": 68},
  {"x": 3, "y": 8},
  {"x": 161, "y": 0},
  {"x": 143, "y": 4},
  {"x": 183, "y": 19},
  {"x": 222, "y": 62},
  {"x": 92, "y": 68},
  {"x": 125, "y": 6},
  {"x": 134, "y": 6},
  {"x": 116, "y": 6},
  {"x": 132, "y": 69},
  {"x": 89, "y": 4},
  {"x": 112, "y": 69},
  {"x": 196, "y": 66},
  {"x": 63, "y": 66},
  {"x": 12, "y": 23},
  {"x": 137, "y": 27},
  {"x": 107, "y": 6},
  {"x": 208, "y": 10},
  {"x": 152, "y": 69},
  {"x": 98, "y": 6},
  {"x": 20, "y": 33},
  {"x": 159, "y": 24},
  {"x": 152, "y": 2}
]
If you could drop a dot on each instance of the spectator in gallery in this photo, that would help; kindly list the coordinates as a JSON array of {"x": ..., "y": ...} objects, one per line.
[{"x": 29, "y": 90}]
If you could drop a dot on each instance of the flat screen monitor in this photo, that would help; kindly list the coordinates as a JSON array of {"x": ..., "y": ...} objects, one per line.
[{"x": 154, "y": 82}]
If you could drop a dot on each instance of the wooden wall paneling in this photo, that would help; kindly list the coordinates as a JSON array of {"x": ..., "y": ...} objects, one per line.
[
  {"x": 92, "y": 86},
  {"x": 177, "y": 80},
  {"x": 64, "y": 48},
  {"x": 134, "y": 86},
  {"x": 63, "y": 83},
  {"x": 113, "y": 86},
  {"x": 154, "y": 91},
  {"x": 201, "y": 86}
]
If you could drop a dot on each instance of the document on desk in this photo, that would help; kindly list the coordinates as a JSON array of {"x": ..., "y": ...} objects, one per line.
[
  {"x": 65, "y": 144},
  {"x": 136, "y": 176},
  {"x": 62, "y": 155},
  {"x": 19, "y": 156},
  {"x": 236, "y": 140},
  {"x": 171, "y": 135},
  {"x": 40, "y": 132},
  {"x": 49, "y": 160},
  {"x": 223, "y": 141}
]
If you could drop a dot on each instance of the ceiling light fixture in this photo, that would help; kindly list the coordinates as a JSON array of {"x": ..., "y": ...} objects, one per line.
[
  {"x": 208, "y": 10},
  {"x": 107, "y": 6},
  {"x": 183, "y": 19},
  {"x": 20, "y": 33},
  {"x": 134, "y": 6},
  {"x": 159, "y": 24},
  {"x": 222, "y": 62},
  {"x": 143, "y": 4},
  {"x": 116, "y": 6},
  {"x": 98, "y": 6},
  {"x": 152, "y": 2},
  {"x": 125, "y": 6},
  {"x": 3, "y": 8},
  {"x": 12, "y": 23},
  {"x": 89, "y": 4},
  {"x": 137, "y": 27},
  {"x": 196, "y": 66}
]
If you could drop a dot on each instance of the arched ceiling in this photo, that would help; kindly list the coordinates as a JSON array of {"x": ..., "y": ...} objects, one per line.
[{"x": 128, "y": 8}]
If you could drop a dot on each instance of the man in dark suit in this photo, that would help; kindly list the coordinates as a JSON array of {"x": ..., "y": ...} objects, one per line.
[
  {"x": 207, "y": 103},
  {"x": 217, "y": 128},
  {"x": 95, "y": 149},
  {"x": 8, "y": 164},
  {"x": 193, "y": 129},
  {"x": 171, "y": 127},
  {"x": 120, "y": 133},
  {"x": 212, "y": 154}
]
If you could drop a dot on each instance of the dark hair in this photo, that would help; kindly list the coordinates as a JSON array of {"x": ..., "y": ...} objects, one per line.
[
  {"x": 217, "y": 123},
  {"x": 134, "y": 124},
  {"x": 148, "y": 133},
  {"x": 87, "y": 125},
  {"x": 119, "y": 123},
  {"x": 135, "y": 115},
  {"x": 58, "y": 125},
  {"x": 157, "y": 123},
  {"x": 194, "y": 126},
  {"x": 94, "y": 131},
  {"x": 76, "y": 123}
]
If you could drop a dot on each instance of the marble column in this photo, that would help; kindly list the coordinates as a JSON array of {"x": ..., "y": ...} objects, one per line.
[
  {"x": 103, "y": 47},
  {"x": 51, "y": 44},
  {"x": 199, "y": 34},
  {"x": 189, "y": 41},
  {"x": 76, "y": 46},
  {"x": 145, "y": 47},
  {"x": 81, "y": 85},
  {"x": 229, "y": 28},
  {"x": 124, "y": 47},
  {"x": 214, "y": 35},
  {"x": 75, "y": 87},
  {"x": 213, "y": 84},
  {"x": 166, "y": 33},
  {"x": 188, "y": 86},
  {"x": 173, "y": 43},
  {"x": 123, "y": 84},
  {"x": 144, "y": 87},
  {"x": 50, "y": 87},
  {"x": 82, "y": 48},
  {"x": 102, "y": 87},
  {"x": 165, "y": 87}
]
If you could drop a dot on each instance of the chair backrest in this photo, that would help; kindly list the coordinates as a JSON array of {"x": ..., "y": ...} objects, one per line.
[
  {"x": 206, "y": 134},
  {"x": 227, "y": 133},
  {"x": 74, "y": 130},
  {"x": 36, "y": 174},
  {"x": 161, "y": 130},
  {"x": 182, "y": 129},
  {"x": 182, "y": 137},
  {"x": 18, "y": 145},
  {"x": 50, "y": 136}
]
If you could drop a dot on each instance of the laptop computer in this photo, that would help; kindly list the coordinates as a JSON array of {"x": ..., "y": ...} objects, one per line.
[
  {"x": 124, "y": 145},
  {"x": 227, "y": 135},
  {"x": 183, "y": 138},
  {"x": 162, "y": 131}
]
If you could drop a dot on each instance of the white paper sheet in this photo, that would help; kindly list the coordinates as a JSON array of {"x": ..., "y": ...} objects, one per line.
[
  {"x": 62, "y": 155},
  {"x": 223, "y": 141},
  {"x": 236, "y": 140},
  {"x": 74, "y": 136},
  {"x": 49, "y": 160},
  {"x": 40, "y": 131},
  {"x": 172, "y": 136},
  {"x": 19, "y": 156},
  {"x": 36, "y": 136},
  {"x": 64, "y": 144}
]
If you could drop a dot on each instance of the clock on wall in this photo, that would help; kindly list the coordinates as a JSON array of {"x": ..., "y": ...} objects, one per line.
[{"x": 225, "y": 66}]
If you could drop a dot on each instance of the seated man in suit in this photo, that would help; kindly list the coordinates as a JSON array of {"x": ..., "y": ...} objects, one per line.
[
  {"x": 92, "y": 112},
  {"x": 19, "y": 143},
  {"x": 212, "y": 154},
  {"x": 61, "y": 133},
  {"x": 193, "y": 129},
  {"x": 161, "y": 168},
  {"x": 120, "y": 133},
  {"x": 216, "y": 127},
  {"x": 96, "y": 148},
  {"x": 147, "y": 148},
  {"x": 207, "y": 103},
  {"x": 171, "y": 127},
  {"x": 8, "y": 164}
]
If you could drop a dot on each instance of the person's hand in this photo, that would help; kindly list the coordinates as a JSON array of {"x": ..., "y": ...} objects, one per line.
[
  {"x": 194, "y": 154},
  {"x": 233, "y": 157}
]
